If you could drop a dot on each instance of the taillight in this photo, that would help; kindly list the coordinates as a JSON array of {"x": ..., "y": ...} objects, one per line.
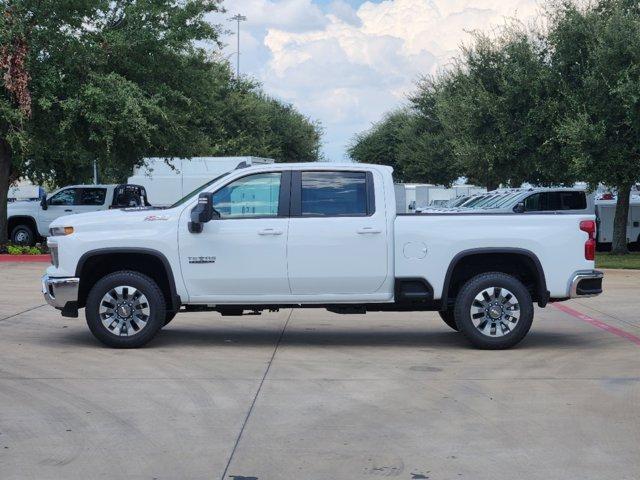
[{"x": 589, "y": 226}]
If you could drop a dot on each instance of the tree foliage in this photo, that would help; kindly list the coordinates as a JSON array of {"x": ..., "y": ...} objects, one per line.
[
  {"x": 546, "y": 107},
  {"x": 116, "y": 81},
  {"x": 380, "y": 144},
  {"x": 596, "y": 52},
  {"x": 412, "y": 141}
]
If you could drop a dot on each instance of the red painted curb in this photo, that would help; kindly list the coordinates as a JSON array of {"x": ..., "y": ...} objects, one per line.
[
  {"x": 598, "y": 324},
  {"x": 24, "y": 258}
]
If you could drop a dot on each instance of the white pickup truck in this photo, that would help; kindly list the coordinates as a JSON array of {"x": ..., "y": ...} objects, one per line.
[
  {"x": 28, "y": 220},
  {"x": 320, "y": 235}
]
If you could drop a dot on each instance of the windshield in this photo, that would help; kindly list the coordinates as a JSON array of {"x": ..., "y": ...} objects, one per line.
[
  {"x": 455, "y": 202},
  {"x": 197, "y": 190},
  {"x": 473, "y": 201},
  {"x": 485, "y": 201},
  {"x": 506, "y": 200}
]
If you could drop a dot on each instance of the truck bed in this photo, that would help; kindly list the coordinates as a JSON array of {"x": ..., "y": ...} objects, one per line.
[{"x": 429, "y": 242}]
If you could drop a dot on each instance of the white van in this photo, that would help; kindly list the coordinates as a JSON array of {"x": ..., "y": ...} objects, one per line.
[{"x": 167, "y": 180}]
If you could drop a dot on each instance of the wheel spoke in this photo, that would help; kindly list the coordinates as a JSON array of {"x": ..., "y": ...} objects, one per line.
[
  {"x": 124, "y": 311},
  {"x": 495, "y": 311}
]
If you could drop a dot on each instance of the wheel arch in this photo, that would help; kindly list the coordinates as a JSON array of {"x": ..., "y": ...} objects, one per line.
[
  {"x": 482, "y": 260},
  {"x": 15, "y": 220},
  {"x": 143, "y": 260}
]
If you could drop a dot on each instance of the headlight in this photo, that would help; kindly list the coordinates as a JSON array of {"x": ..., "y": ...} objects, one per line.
[{"x": 60, "y": 231}]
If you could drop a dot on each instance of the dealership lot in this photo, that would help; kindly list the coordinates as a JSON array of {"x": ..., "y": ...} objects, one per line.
[{"x": 307, "y": 394}]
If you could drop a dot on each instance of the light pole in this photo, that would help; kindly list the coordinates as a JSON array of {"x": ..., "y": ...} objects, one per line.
[{"x": 238, "y": 18}]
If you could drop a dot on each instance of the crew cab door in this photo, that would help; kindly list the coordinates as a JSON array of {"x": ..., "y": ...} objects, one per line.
[
  {"x": 90, "y": 199},
  {"x": 337, "y": 235},
  {"x": 241, "y": 256},
  {"x": 59, "y": 204}
]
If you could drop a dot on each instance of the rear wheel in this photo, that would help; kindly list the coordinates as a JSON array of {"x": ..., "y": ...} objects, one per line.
[
  {"x": 125, "y": 309},
  {"x": 23, "y": 234},
  {"x": 448, "y": 317},
  {"x": 494, "y": 311}
]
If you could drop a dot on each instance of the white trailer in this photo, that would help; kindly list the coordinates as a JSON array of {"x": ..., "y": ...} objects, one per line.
[
  {"x": 167, "y": 180},
  {"x": 606, "y": 211}
]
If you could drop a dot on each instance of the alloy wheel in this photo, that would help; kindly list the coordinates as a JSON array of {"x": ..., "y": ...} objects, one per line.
[
  {"x": 495, "y": 311},
  {"x": 124, "y": 311}
]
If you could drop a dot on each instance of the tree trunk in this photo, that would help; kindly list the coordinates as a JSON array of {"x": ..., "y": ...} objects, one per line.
[
  {"x": 5, "y": 170},
  {"x": 619, "y": 245}
]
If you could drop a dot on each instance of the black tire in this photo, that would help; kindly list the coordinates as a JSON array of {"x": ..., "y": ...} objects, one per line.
[
  {"x": 145, "y": 285},
  {"x": 168, "y": 317},
  {"x": 23, "y": 234},
  {"x": 475, "y": 287},
  {"x": 448, "y": 317}
]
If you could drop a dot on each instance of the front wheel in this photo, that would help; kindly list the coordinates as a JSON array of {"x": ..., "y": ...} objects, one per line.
[
  {"x": 125, "y": 309},
  {"x": 23, "y": 235},
  {"x": 494, "y": 311}
]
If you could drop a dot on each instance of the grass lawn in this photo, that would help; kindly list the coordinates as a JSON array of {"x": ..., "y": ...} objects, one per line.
[{"x": 606, "y": 260}]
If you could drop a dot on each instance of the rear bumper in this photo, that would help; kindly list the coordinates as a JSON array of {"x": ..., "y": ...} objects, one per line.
[
  {"x": 61, "y": 293},
  {"x": 586, "y": 283}
]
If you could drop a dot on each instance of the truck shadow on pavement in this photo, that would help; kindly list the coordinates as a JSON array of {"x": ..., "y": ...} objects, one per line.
[{"x": 177, "y": 337}]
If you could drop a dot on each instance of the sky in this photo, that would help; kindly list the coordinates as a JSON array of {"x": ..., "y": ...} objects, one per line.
[{"x": 348, "y": 62}]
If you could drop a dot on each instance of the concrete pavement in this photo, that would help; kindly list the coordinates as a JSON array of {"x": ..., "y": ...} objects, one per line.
[{"x": 307, "y": 394}]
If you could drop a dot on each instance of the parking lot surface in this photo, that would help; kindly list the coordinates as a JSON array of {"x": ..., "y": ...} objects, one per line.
[{"x": 306, "y": 394}]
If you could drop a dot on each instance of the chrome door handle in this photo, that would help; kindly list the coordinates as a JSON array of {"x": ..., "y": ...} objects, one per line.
[
  {"x": 365, "y": 230},
  {"x": 270, "y": 231},
  {"x": 68, "y": 210}
]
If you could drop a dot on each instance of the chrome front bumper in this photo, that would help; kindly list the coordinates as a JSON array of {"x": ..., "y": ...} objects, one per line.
[
  {"x": 586, "y": 283},
  {"x": 58, "y": 292}
]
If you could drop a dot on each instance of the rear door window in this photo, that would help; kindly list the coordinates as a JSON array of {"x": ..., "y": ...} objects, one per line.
[
  {"x": 333, "y": 194},
  {"x": 572, "y": 200},
  {"x": 92, "y": 196}
]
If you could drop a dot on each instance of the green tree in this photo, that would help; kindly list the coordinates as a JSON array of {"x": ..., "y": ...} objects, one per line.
[
  {"x": 425, "y": 153},
  {"x": 412, "y": 141},
  {"x": 249, "y": 122},
  {"x": 116, "y": 81},
  {"x": 380, "y": 144},
  {"x": 596, "y": 52},
  {"x": 97, "y": 79},
  {"x": 498, "y": 106}
]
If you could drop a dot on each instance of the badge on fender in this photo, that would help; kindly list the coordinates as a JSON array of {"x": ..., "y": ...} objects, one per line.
[{"x": 202, "y": 259}]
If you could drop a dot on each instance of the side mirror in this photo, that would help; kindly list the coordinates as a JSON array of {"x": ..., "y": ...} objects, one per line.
[
  {"x": 203, "y": 212},
  {"x": 519, "y": 208},
  {"x": 43, "y": 202}
]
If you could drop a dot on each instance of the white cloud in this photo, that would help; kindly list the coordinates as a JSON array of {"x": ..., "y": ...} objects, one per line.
[{"x": 347, "y": 66}]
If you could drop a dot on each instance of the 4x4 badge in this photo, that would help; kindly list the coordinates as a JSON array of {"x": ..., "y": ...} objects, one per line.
[{"x": 202, "y": 259}]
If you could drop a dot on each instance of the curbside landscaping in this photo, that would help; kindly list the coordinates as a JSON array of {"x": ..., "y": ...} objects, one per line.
[{"x": 5, "y": 258}]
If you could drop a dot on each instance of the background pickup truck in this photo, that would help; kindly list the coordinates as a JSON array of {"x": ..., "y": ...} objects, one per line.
[
  {"x": 318, "y": 236},
  {"x": 29, "y": 220}
]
